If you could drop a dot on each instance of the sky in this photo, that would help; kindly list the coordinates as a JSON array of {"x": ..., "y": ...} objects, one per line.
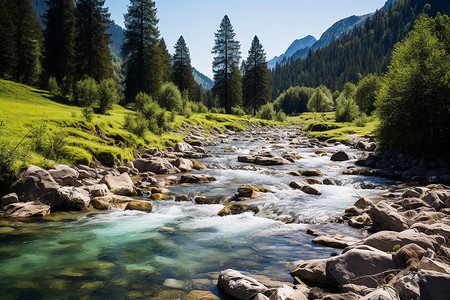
[{"x": 277, "y": 23}]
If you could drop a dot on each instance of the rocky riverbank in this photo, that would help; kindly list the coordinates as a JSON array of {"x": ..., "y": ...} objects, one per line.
[{"x": 405, "y": 258}]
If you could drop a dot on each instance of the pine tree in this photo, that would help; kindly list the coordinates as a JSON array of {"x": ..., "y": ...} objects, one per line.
[
  {"x": 92, "y": 42},
  {"x": 141, "y": 50},
  {"x": 236, "y": 87},
  {"x": 59, "y": 36},
  {"x": 20, "y": 38},
  {"x": 182, "y": 74},
  {"x": 166, "y": 61},
  {"x": 256, "y": 89},
  {"x": 227, "y": 53}
]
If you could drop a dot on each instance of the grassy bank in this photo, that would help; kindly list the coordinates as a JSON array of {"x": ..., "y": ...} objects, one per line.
[
  {"x": 324, "y": 126},
  {"x": 50, "y": 129}
]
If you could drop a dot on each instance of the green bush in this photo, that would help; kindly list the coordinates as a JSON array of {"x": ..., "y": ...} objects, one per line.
[
  {"x": 294, "y": 100},
  {"x": 48, "y": 144},
  {"x": 107, "y": 95},
  {"x": 346, "y": 109},
  {"x": 366, "y": 93},
  {"x": 361, "y": 120},
  {"x": 170, "y": 97},
  {"x": 321, "y": 100},
  {"x": 87, "y": 113},
  {"x": 280, "y": 116},
  {"x": 86, "y": 92},
  {"x": 53, "y": 87},
  {"x": 141, "y": 101},
  {"x": 237, "y": 111},
  {"x": 413, "y": 103},
  {"x": 136, "y": 124},
  {"x": 266, "y": 112}
]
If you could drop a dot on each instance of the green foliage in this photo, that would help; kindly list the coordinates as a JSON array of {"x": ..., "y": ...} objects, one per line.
[
  {"x": 53, "y": 87},
  {"x": 346, "y": 109},
  {"x": 87, "y": 113},
  {"x": 280, "y": 116},
  {"x": 237, "y": 111},
  {"x": 366, "y": 93},
  {"x": 413, "y": 103},
  {"x": 227, "y": 53},
  {"x": 166, "y": 61},
  {"x": 361, "y": 120},
  {"x": 52, "y": 145},
  {"x": 294, "y": 100},
  {"x": 235, "y": 87},
  {"x": 266, "y": 112},
  {"x": 86, "y": 92},
  {"x": 107, "y": 95},
  {"x": 321, "y": 100},
  {"x": 170, "y": 97},
  {"x": 182, "y": 74},
  {"x": 256, "y": 89},
  {"x": 396, "y": 248},
  {"x": 136, "y": 124}
]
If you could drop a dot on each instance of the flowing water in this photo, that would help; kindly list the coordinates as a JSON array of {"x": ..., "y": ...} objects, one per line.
[{"x": 181, "y": 245}]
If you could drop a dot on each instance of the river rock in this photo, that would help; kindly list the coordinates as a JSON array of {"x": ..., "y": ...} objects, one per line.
[
  {"x": 384, "y": 293},
  {"x": 145, "y": 206},
  {"x": 8, "y": 199},
  {"x": 196, "y": 178},
  {"x": 201, "y": 295},
  {"x": 78, "y": 197},
  {"x": 97, "y": 190},
  {"x": 423, "y": 284},
  {"x": 236, "y": 209},
  {"x": 311, "y": 173},
  {"x": 270, "y": 161},
  {"x": 247, "y": 159},
  {"x": 238, "y": 285},
  {"x": 335, "y": 240},
  {"x": 386, "y": 240},
  {"x": 432, "y": 199},
  {"x": 343, "y": 296},
  {"x": 312, "y": 190},
  {"x": 312, "y": 270},
  {"x": 356, "y": 265},
  {"x": 286, "y": 292},
  {"x": 109, "y": 201},
  {"x": 412, "y": 203},
  {"x": 366, "y": 146},
  {"x": 408, "y": 254},
  {"x": 433, "y": 229},
  {"x": 25, "y": 210},
  {"x": 122, "y": 184},
  {"x": 184, "y": 147},
  {"x": 63, "y": 175},
  {"x": 185, "y": 165},
  {"x": 359, "y": 171},
  {"x": 340, "y": 156},
  {"x": 363, "y": 203},
  {"x": 385, "y": 216},
  {"x": 247, "y": 191},
  {"x": 157, "y": 165},
  {"x": 360, "y": 221}
]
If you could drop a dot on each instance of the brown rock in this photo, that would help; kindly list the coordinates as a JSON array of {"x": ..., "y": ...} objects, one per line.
[
  {"x": 145, "y": 206},
  {"x": 311, "y": 173},
  {"x": 25, "y": 210},
  {"x": 236, "y": 209},
  {"x": 9, "y": 199},
  {"x": 196, "y": 178},
  {"x": 335, "y": 241}
]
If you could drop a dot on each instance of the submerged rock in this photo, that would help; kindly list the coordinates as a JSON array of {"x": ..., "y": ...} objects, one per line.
[
  {"x": 238, "y": 285},
  {"x": 196, "y": 178},
  {"x": 335, "y": 240},
  {"x": 236, "y": 209}
]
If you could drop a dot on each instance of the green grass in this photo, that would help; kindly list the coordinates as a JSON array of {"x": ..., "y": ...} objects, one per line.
[
  {"x": 325, "y": 128},
  {"x": 38, "y": 116}
]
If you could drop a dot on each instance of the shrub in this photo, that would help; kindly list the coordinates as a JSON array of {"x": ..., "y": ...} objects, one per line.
[
  {"x": 346, "y": 109},
  {"x": 86, "y": 92},
  {"x": 321, "y": 100},
  {"x": 87, "y": 113},
  {"x": 141, "y": 101},
  {"x": 53, "y": 87},
  {"x": 136, "y": 124},
  {"x": 107, "y": 95},
  {"x": 266, "y": 112},
  {"x": 366, "y": 93},
  {"x": 237, "y": 111},
  {"x": 361, "y": 120},
  {"x": 294, "y": 100},
  {"x": 48, "y": 144},
  {"x": 170, "y": 97}
]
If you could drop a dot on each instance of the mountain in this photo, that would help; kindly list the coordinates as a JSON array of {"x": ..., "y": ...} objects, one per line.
[
  {"x": 303, "y": 43},
  {"x": 203, "y": 80},
  {"x": 365, "y": 49}
]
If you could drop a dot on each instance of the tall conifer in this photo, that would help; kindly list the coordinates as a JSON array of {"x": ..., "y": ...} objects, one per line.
[
  {"x": 92, "y": 42},
  {"x": 227, "y": 53},
  {"x": 182, "y": 70},
  {"x": 141, "y": 50},
  {"x": 166, "y": 61},
  {"x": 256, "y": 87}
]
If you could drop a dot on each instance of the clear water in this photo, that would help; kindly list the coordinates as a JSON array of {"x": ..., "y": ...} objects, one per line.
[{"x": 181, "y": 246}]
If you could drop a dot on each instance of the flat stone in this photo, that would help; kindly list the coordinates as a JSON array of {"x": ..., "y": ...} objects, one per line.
[
  {"x": 145, "y": 206},
  {"x": 25, "y": 210},
  {"x": 335, "y": 240}
]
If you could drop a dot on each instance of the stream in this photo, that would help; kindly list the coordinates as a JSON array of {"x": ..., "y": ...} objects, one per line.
[{"x": 182, "y": 246}]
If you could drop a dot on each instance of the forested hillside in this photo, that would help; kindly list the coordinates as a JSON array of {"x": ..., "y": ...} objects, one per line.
[{"x": 365, "y": 50}]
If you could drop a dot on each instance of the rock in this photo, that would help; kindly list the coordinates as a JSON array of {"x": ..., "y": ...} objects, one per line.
[
  {"x": 366, "y": 146},
  {"x": 236, "y": 209},
  {"x": 363, "y": 203},
  {"x": 359, "y": 171},
  {"x": 411, "y": 203},
  {"x": 384, "y": 216},
  {"x": 433, "y": 265},
  {"x": 331, "y": 181},
  {"x": 25, "y": 210},
  {"x": 312, "y": 181},
  {"x": 297, "y": 184},
  {"x": 360, "y": 221},
  {"x": 386, "y": 240},
  {"x": 100, "y": 204},
  {"x": 177, "y": 284},
  {"x": 185, "y": 165},
  {"x": 183, "y": 147},
  {"x": 63, "y": 175},
  {"x": 343, "y": 296},
  {"x": 385, "y": 293},
  {"x": 97, "y": 190},
  {"x": 353, "y": 211},
  {"x": 286, "y": 292},
  {"x": 247, "y": 159},
  {"x": 408, "y": 254},
  {"x": 432, "y": 199},
  {"x": 357, "y": 265},
  {"x": 270, "y": 161},
  {"x": 335, "y": 241},
  {"x": 121, "y": 185},
  {"x": 196, "y": 178},
  {"x": 239, "y": 286},
  {"x": 145, "y": 206},
  {"x": 78, "y": 197},
  {"x": 312, "y": 270},
  {"x": 297, "y": 295},
  {"x": 423, "y": 284},
  {"x": 260, "y": 296},
  {"x": 204, "y": 200},
  {"x": 9, "y": 199},
  {"x": 315, "y": 293},
  {"x": 109, "y": 201},
  {"x": 157, "y": 165},
  {"x": 201, "y": 295},
  {"x": 311, "y": 173},
  {"x": 247, "y": 191},
  {"x": 357, "y": 289},
  {"x": 340, "y": 156},
  {"x": 433, "y": 229},
  {"x": 312, "y": 190}
]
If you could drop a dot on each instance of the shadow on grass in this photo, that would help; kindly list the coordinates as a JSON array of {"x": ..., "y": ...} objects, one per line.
[{"x": 55, "y": 98}]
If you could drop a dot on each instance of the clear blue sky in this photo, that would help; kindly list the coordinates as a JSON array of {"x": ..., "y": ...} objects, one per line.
[{"x": 276, "y": 22}]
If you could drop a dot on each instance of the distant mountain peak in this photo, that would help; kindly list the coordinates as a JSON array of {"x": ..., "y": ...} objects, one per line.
[{"x": 299, "y": 44}]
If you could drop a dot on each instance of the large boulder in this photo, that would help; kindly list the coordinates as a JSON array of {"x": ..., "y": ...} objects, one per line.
[
  {"x": 270, "y": 161},
  {"x": 145, "y": 206},
  {"x": 386, "y": 240},
  {"x": 386, "y": 217},
  {"x": 423, "y": 285},
  {"x": 8, "y": 199},
  {"x": 409, "y": 254},
  {"x": 79, "y": 197},
  {"x": 311, "y": 190},
  {"x": 441, "y": 229},
  {"x": 432, "y": 199},
  {"x": 185, "y": 165},
  {"x": 335, "y": 240},
  {"x": 312, "y": 270},
  {"x": 184, "y": 147},
  {"x": 239, "y": 286},
  {"x": 157, "y": 165},
  {"x": 64, "y": 175},
  {"x": 340, "y": 156},
  {"x": 357, "y": 265},
  {"x": 109, "y": 201},
  {"x": 286, "y": 292},
  {"x": 196, "y": 178},
  {"x": 384, "y": 293},
  {"x": 25, "y": 210},
  {"x": 121, "y": 185}
]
